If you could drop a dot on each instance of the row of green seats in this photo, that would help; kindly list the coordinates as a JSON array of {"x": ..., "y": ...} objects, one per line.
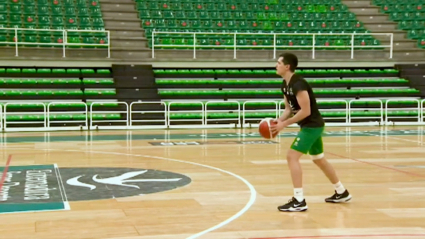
[
  {"x": 53, "y": 105},
  {"x": 61, "y": 117},
  {"x": 231, "y": 92},
  {"x": 51, "y": 2},
  {"x": 397, "y": 7},
  {"x": 248, "y": 104},
  {"x": 331, "y": 34},
  {"x": 74, "y": 41},
  {"x": 69, "y": 22},
  {"x": 248, "y": 115},
  {"x": 224, "y": 6},
  {"x": 46, "y": 32},
  {"x": 379, "y": 2},
  {"x": 30, "y": 11},
  {"x": 183, "y": 82},
  {"x": 55, "y": 41},
  {"x": 271, "y": 2},
  {"x": 253, "y": 43},
  {"x": 54, "y": 70},
  {"x": 239, "y": 15},
  {"x": 273, "y": 71},
  {"x": 344, "y": 25},
  {"x": 408, "y": 16},
  {"x": 55, "y": 92},
  {"x": 416, "y": 34},
  {"x": 43, "y": 81},
  {"x": 280, "y": 36}
]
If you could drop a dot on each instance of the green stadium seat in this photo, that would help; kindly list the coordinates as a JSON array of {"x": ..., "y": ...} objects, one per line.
[
  {"x": 87, "y": 71},
  {"x": 103, "y": 71},
  {"x": 106, "y": 116},
  {"x": 98, "y": 92},
  {"x": 98, "y": 81},
  {"x": 13, "y": 70},
  {"x": 44, "y": 70},
  {"x": 58, "y": 71},
  {"x": 29, "y": 71},
  {"x": 40, "y": 93}
]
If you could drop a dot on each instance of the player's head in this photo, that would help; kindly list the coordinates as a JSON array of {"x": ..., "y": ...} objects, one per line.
[{"x": 287, "y": 62}]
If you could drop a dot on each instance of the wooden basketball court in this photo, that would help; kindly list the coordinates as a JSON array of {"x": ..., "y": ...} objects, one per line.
[{"x": 211, "y": 183}]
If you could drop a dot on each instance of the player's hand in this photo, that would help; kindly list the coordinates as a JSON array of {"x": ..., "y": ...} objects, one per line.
[{"x": 276, "y": 128}]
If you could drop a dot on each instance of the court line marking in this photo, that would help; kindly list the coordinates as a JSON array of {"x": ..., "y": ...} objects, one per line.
[
  {"x": 3, "y": 177},
  {"x": 377, "y": 165},
  {"x": 61, "y": 186},
  {"x": 252, "y": 190},
  {"x": 397, "y": 138},
  {"x": 345, "y": 236}
]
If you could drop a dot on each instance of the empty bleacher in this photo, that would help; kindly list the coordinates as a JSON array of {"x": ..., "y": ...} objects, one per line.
[
  {"x": 55, "y": 97},
  {"x": 252, "y": 16},
  {"x": 410, "y": 16},
  {"x": 248, "y": 95},
  {"x": 52, "y": 17}
]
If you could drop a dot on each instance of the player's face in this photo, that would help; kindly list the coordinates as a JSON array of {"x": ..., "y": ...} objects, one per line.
[{"x": 281, "y": 68}]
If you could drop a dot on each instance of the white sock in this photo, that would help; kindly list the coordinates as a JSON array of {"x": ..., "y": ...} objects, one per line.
[
  {"x": 339, "y": 188},
  {"x": 298, "y": 194}
]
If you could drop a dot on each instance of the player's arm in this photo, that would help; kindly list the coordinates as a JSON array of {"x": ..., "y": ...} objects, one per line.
[
  {"x": 304, "y": 102},
  {"x": 287, "y": 112}
]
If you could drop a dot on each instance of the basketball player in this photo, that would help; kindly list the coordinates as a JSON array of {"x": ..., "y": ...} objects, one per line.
[{"x": 300, "y": 103}]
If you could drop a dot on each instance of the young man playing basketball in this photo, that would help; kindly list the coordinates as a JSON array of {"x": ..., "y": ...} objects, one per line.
[{"x": 301, "y": 102}]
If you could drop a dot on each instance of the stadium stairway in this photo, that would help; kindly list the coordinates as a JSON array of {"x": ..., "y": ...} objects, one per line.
[
  {"x": 378, "y": 21},
  {"x": 127, "y": 36},
  {"x": 415, "y": 74}
]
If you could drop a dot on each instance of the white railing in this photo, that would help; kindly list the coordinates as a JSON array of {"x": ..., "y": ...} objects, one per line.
[
  {"x": 273, "y": 110},
  {"x": 423, "y": 111},
  {"x": 34, "y": 117},
  {"x": 417, "y": 109},
  {"x": 275, "y": 47},
  {"x": 344, "y": 118},
  {"x": 200, "y": 112},
  {"x": 236, "y": 110},
  {"x": 138, "y": 123},
  {"x": 64, "y": 42},
  {"x": 40, "y": 120},
  {"x": 118, "y": 123},
  {"x": 51, "y": 120},
  {"x": 380, "y": 110}
]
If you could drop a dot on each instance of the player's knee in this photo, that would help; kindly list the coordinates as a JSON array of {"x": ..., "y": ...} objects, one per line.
[
  {"x": 319, "y": 162},
  {"x": 293, "y": 155},
  {"x": 317, "y": 156}
]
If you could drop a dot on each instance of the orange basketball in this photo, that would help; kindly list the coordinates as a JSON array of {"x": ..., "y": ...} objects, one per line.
[{"x": 264, "y": 128}]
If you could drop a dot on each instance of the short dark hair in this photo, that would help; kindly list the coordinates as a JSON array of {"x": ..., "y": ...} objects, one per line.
[{"x": 291, "y": 60}]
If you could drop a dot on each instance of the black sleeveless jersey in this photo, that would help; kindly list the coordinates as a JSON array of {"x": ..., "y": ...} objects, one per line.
[{"x": 297, "y": 84}]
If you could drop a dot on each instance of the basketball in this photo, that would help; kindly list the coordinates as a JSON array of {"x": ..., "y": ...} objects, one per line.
[{"x": 264, "y": 128}]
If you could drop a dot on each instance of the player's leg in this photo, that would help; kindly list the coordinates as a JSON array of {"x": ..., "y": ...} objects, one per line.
[
  {"x": 301, "y": 145},
  {"x": 317, "y": 154}
]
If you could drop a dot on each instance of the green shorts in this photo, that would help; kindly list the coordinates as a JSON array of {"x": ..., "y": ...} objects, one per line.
[{"x": 309, "y": 140}]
